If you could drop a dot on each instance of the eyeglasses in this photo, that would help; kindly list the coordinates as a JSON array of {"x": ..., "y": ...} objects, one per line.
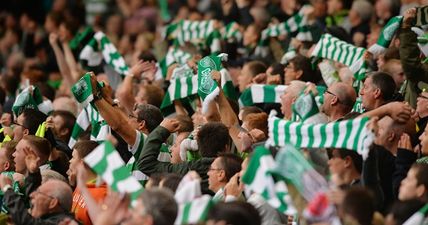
[
  {"x": 17, "y": 124},
  {"x": 331, "y": 93},
  {"x": 216, "y": 169},
  {"x": 424, "y": 97},
  {"x": 38, "y": 192}
]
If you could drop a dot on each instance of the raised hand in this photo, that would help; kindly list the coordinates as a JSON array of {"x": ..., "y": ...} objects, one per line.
[{"x": 171, "y": 125}]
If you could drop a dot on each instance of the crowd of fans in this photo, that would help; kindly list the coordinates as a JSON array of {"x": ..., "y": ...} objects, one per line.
[{"x": 45, "y": 180}]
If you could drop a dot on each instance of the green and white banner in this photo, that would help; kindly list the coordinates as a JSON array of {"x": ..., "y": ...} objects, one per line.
[
  {"x": 107, "y": 163},
  {"x": 258, "y": 178},
  {"x": 261, "y": 93},
  {"x": 89, "y": 116},
  {"x": 231, "y": 32},
  {"x": 386, "y": 35},
  {"x": 82, "y": 90},
  {"x": 180, "y": 88},
  {"x": 100, "y": 48},
  {"x": 207, "y": 87},
  {"x": 194, "y": 212},
  {"x": 31, "y": 98},
  {"x": 305, "y": 106},
  {"x": 292, "y": 165},
  {"x": 199, "y": 32},
  {"x": 347, "y": 134}
]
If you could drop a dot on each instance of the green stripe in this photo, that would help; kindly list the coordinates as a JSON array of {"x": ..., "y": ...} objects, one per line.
[
  {"x": 186, "y": 213},
  {"x": 177, "y": 91},
  {"x": 189, "y": 85},
  {"x": 299, "y": 135},
  {"x": 335, "y": 134},
  {"x": 323, "y": 135},
  {"x": 311, "y": 134},
  {"x": 275, "y": 131},
  {"x": 269, "y": 93},
  {"x": 287, "y": 132},
  {"x": 348, "y": 133}
]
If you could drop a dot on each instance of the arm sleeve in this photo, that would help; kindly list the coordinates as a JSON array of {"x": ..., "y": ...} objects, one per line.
[
  {"x": 409, "y": 55},
  {"x": 148, "y": 161}
]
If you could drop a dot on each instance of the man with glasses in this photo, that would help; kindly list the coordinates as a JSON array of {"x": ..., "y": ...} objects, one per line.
[
  {"x": 221, "y": 170},
  {"x": 339, "y": 99},
  {"x": 50, "y": 203}
]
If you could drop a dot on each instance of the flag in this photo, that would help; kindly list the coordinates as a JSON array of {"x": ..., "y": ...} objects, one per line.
[
  {"x": 259, "y": 179},
  {"x": 194, "y": 212},
  {"x": 386, "y": 35},
  {"x": 89, "y": 116},
  {"x": 207, "y": 87},
  {"x": 82, "y": 90},
  {"x": 179, "y": 89},
  {"x": 174, "y": 55},
  {"x": 231, "y": 32},
  {"x": 305, "y": 106},
  {"x": 421, "y": 16},
  {"x": 292, "y": 165},
  {"x": 297, "y": 24},
  {"x": 100, "y": 48},
  {"x": 347, "y": 134},
  {"x": 260, "y": 93},
  {"x": 107, "y": 163},
  {"x": 419, "y": 217},
  {"x": 31, "y": 98}
]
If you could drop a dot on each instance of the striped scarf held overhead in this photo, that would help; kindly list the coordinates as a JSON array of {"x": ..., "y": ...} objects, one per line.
[
  {"x": 231, "y": 32},
  {"x": 199, "y": 31},
  {"x": 174, "y": 55},
  {"x": 297, "y": 24},
  {"x": 260, "y": 93},
  {"x": 258, "y": 178},
  {"x": 89, "y": 116},
  {"x": 421, "y": 16},
  {"x": 194, "y": 212},
  {"x": 348, "y": 134},
  {"x": 386, "y": 36}
]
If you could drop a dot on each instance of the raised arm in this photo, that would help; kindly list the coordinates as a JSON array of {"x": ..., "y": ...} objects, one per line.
[
  {"x": 60, "y": 58},
  {"x": 115, "y": 118}
]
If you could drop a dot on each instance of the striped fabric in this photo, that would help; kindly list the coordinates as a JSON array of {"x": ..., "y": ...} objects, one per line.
[
  {"x": 348, "y": 134},
  {"x": 421, "y": 16},
  {"x": 199, "y": 31},
  {"x": 31, "y": 98},
  {"x": 260, "y": 93},
  {"x": 386, "y": 36},
  {"x": 419, "y": 218},
  {"x": 298, "y": 24},
  {"x": 194, "y": 212},
  {"x": 231, "y": 32},
  {"x": 107, "y": 163},
  {"x": 89, "y": 116},
  {"x": 330, "y": 47},
  {"x": 180, "y": 88},
  {"x": 174, "y": 55},
  {"x": 258, "y": 179}
]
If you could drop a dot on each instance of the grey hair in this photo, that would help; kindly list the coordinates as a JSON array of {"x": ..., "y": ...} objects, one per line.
[
  {"x": 297, "y": 87},
  {"x": 51, "y": 175},
  {"x": 160, "y": 205},
  {"x": 61, "y": 191}
]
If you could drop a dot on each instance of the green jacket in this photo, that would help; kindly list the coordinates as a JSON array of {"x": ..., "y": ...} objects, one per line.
[
  {"x": 149, "y": 164},
  {"x": 415, "y": 71}
]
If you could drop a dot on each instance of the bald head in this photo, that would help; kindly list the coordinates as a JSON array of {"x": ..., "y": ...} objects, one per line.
[
  {"x": 338, "y": 100},
  {"x": 61, "y": 191},
  {"x": 66, "y": 104},
  {"x": 345, "y": 93}
]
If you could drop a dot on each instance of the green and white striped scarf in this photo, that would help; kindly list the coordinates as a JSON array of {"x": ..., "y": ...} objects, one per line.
[
  {"x": 82, "y": 90},
  {"x": 419, "y": 217},
  {"x": 298, "y": 24},
  {"x": 174, "y": 55},
  {"x": 194, "y": 212},
  {"x": 89, "y": 116},
  {"x": 260, "y": 93},
  {"x": 258, "y": 178},
  {"x": 231, "y": 32},
  {"x": 348, "y": 134},
  {"x": 31, "y": 98},
  {"x": 292, "y": 165},
  {"x": 305, "y": 106},
  {"x": 199, "y": 31},
  {"x": 386, "y": 35},
  {"x": 107, "y": 163},
  {"x": 100, "y": 48}
]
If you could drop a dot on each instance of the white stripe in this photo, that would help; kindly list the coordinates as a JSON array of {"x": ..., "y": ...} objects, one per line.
[
  {"x": 95, "y": 156},
  {"x": 329, "y": 130},
  {"x": 293, "y": 129},
  {"x": 113, "y": 163},
  {"x": 317, "y": 135},
  {"x": 305, "y": 132},
  {"x": 342, "y": 133},
  {"x": 257, "y": 93},
  {"x": 129, "y": 185}
]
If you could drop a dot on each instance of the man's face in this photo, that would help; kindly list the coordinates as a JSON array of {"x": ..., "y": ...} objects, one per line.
[
  {"x": 328, "y": 101},
  {"x": 41, "y": 200},
  {"x": 422, "y": 105},
  {"x": 175, "y": 148},
  {"x": 215, "y": 175},
  {"x": 58, "y": 122},
  {"x": 245, "y": 78},
  {"x": 384, "y": 130},
  {"x": 367, "y": 93},
  {"x": 138, "y": 216},
  {"x": 336, "y": 164},
  {"x": 19, "y": 130},
  {"x": 19, "y": 157},
  {"x": 290, "y": 73},
  {"x": 287, "y": 100},
  {"x": 408, "y": 186},
  {"x": 71, "y": 172}
]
